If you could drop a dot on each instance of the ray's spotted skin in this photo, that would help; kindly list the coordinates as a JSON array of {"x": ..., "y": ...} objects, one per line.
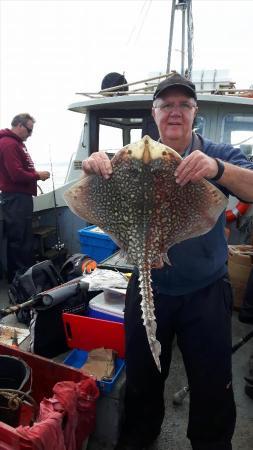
[{"x": 146, "y": 212}]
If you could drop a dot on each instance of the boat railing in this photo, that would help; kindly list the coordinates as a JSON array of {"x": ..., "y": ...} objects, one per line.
[{"x": 148, "y": 86}]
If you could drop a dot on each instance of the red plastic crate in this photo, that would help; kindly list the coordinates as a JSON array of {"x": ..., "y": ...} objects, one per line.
[
  {"x": 45, "y": 374},
  {"x": 86, "y": 333}
]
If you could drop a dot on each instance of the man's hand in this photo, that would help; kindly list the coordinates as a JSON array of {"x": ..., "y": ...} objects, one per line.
[
  {"x": 194, "y": 167},
  {"x": 98, "y": 163},
  {"x": 44, "y": 175}
]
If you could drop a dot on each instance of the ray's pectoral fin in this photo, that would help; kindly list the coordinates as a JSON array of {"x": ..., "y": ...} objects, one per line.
[{"x": 79, "y": 200}]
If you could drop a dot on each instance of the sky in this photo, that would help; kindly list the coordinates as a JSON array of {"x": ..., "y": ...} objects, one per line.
[{"x": 52, "y": 49}]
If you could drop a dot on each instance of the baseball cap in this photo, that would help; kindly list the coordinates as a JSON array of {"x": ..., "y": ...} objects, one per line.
[{"x": 176, "y": 80}]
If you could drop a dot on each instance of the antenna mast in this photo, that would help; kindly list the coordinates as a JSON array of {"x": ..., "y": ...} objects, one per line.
[{"x": 185, "y": 7}]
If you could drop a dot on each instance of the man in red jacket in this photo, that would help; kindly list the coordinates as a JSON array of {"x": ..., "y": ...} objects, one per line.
[{"x": 18, "y": 183}]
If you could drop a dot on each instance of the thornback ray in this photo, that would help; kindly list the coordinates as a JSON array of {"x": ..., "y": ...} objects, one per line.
[{"x": 146, "y": 212}]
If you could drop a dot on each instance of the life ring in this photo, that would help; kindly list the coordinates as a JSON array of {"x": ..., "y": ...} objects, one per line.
[{"x": 238, "y": 210}]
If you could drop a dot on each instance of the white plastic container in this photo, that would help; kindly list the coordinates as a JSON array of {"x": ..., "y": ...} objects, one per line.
[{"x": 108, "y": 305}]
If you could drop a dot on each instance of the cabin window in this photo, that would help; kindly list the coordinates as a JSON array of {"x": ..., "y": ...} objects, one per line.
[
  {"x": 199, "y": 124},
  {"x": 135, "y": 134},
  {"x": 238, "y": 131},
  {"x": 116, "y": 132},
  {"x": 110, "y": 138}
]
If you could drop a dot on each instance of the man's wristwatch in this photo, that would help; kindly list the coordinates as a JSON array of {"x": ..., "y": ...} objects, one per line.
[{"x": 221, "y": 169}]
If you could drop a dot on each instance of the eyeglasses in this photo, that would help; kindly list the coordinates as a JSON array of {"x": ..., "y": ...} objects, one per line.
[
  {"x": 29, "y": 130},
  {"x": 182, "y": 107}
]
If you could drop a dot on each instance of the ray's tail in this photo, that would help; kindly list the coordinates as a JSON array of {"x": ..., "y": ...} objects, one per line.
[{"x": 148, "y": 311}]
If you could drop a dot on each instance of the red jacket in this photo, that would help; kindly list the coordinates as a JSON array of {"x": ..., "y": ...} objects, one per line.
[{"x": 17, "y": 172}]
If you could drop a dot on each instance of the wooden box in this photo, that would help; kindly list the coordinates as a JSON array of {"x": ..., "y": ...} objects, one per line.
[{"x": 240, "y": 262}]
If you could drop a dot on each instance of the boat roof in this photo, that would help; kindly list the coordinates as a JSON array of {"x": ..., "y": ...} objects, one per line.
[{"x": 135, "y": 101}]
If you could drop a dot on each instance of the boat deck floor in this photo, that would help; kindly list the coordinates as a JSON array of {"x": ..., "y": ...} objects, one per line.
[{"x": 173, "y": 435}]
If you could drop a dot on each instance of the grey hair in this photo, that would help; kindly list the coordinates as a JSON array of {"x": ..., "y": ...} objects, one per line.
[
  {"x": 155, "y": 102},
  {"x": 21, "y": 119}
]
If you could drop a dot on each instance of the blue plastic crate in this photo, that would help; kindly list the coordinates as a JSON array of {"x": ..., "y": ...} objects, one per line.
[
  {"x": 104, "y": 316},
  {"x": 97, "y": 246},
  {"x": 77, "y": 358}
]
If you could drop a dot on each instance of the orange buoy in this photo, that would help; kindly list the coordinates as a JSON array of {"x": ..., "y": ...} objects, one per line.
[{"x": 238, "y": 210}]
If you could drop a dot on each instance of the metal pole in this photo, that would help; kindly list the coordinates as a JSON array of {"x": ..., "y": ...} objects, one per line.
[
  {"x": 183, "y": 41},
  {"x": 190, "y": 38},
  {"x": 171, "y": 35}
]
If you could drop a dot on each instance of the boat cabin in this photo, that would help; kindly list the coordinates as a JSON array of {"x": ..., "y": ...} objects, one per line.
[{"x": 111, "y": 122}]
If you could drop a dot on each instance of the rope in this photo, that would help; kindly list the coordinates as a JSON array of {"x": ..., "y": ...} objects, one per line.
[{"x": 16, "y": 398}]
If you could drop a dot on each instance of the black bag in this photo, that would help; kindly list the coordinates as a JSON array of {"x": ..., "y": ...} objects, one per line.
[
  {"x": 29, "y": 282},
  {"x": 46, "y": 327}
]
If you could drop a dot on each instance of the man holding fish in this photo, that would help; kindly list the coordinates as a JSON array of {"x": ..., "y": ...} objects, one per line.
[{"x": 191, "y": 293}]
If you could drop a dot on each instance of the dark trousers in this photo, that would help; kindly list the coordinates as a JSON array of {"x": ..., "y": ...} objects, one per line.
[
  {"x": 202, "y": 323},
  {"x": 17, "y": 217}
]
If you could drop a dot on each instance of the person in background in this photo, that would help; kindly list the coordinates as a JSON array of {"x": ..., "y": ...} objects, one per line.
[
  {"x": 192, "y": 296},
  {"x": 18, "y": 184}
]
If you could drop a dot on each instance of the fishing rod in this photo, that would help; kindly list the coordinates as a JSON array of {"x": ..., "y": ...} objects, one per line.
[
  {"x": 180, "y": 395},
  {"x": 59, "y": 245}
]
